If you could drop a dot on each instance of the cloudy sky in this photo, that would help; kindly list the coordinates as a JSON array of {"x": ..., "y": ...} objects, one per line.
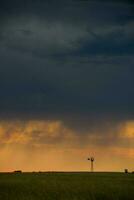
[{"x": 66, "y": 85}]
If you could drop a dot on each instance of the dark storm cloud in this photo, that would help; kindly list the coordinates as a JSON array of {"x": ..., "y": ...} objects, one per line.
[
  {"x": 66, "y": 58},
  {"x": 46, "y": 28}
]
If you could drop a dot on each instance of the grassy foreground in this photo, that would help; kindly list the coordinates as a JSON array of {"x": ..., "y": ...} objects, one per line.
[{"x": 66, "y": 186}]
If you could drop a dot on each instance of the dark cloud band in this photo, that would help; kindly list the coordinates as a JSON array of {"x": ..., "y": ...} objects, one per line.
[{"x": 66, "y": 59}]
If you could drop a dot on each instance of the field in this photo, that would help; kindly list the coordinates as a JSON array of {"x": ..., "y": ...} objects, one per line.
[{"x": 66, "y": 186}]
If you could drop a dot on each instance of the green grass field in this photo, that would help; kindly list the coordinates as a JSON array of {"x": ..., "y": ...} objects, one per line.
[{"x": 66, "y": 186}]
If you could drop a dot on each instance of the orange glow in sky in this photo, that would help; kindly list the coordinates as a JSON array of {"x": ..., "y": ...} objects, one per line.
[{"x": 40, "y": 145}]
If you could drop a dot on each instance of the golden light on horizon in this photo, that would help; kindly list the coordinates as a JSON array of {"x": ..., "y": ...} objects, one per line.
[
  {"x": 50, "y": 145},
  {"x": 129, "y": 131}
]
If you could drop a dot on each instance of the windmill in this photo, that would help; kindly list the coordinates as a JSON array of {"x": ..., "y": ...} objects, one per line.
[{"x": 92, "y": 163}]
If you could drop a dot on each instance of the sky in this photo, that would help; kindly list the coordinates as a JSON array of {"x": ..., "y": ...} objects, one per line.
[{"x": 66, "y": 85}]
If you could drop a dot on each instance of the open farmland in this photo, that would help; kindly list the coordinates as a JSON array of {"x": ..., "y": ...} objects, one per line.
[{"x": 66, "y": 186}]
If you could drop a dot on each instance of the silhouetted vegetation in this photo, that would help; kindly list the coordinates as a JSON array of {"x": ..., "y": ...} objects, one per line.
[
  {"x": 18, "y": 171},
  {"x": 126, "y": 171}
]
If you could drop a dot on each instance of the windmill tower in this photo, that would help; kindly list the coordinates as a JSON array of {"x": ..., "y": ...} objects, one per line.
[{"x": 92, "y": 163}]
